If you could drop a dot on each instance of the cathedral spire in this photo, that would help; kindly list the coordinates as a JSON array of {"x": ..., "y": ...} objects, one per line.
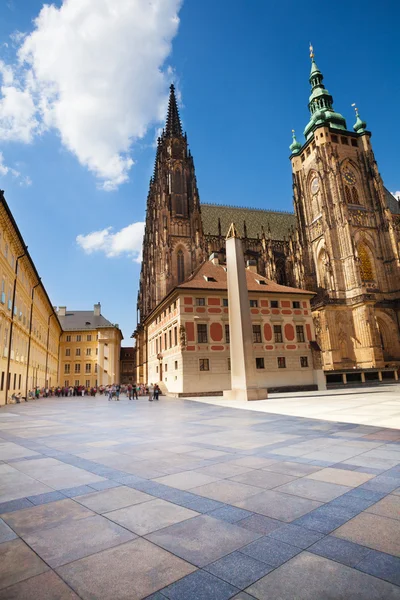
[
  {"x": 321, "y": 103},
  {"x": 359, "y": 126},
  {"x": 173, "y": 126}
]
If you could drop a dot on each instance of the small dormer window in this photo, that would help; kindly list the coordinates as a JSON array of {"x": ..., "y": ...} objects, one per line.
[
  {"x": 87, "y": 323},
  {"x": 261, "y": 282},
  {"x": 209, "y": 278}
]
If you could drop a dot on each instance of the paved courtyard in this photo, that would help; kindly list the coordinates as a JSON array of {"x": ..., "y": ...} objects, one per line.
[{"x": 188, "y": 500}]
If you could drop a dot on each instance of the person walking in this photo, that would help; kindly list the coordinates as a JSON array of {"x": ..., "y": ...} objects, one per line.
[
  {"x": 156, "y": 391},
  {"x": 117, "y": 391},
  {"x": 110, "y": 393},
  {"x": 135, "y": 391},
  {"x": 129, "y": 392},
  {"x": 151, "y": 392}
]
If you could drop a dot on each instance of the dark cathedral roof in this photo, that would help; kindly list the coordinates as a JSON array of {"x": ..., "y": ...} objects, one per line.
[{"x": 280, "y": 223}]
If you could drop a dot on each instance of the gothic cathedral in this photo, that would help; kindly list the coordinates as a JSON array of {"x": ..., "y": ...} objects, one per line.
[{"x": 342, "y": 243}]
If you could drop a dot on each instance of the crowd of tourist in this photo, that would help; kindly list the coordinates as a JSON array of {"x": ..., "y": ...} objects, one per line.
[{"x": 112, "y": 392}]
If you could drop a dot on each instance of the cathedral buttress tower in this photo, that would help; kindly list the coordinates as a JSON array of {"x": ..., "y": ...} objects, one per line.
[
  {"x": 347, "y": 236},
  {"x": 173, "y": 243}
]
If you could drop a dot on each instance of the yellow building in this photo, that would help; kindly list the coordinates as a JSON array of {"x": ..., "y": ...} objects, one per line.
[
  {"x": 90, "y": 348},
  {"x": 29, "y": 326}
]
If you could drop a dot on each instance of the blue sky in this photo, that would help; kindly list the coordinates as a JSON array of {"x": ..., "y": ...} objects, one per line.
[{"x": 90, "y": 91}]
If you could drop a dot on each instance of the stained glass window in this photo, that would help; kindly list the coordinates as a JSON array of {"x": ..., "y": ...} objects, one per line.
[{"x": 366, "y": 271}]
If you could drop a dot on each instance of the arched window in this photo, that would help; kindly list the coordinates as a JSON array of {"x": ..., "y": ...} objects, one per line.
[
  {"x": 281, "y": 272},
  {"x": 181, "y": 266},
  {"x": 354, "y": 195},
  {"x": 348, "y": 194},
  {"x": 366, "y": 271}
]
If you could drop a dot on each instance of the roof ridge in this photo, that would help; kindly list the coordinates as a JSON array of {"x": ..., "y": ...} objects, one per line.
[{"x": 267, "y": 210}]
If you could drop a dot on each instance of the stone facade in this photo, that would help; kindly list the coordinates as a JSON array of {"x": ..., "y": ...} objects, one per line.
[
  {"x": 342, "y": 242},
  {"x": 29, "y": 327},
  {"x": 90, "y": 348},
  {"x": 128, "y": 365},
  {"x": 188, "y": 335}
]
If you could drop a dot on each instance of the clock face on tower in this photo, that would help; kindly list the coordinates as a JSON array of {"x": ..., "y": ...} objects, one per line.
[
  {"x": 349, "y": 177},
  {"x": 315, "y": 185}
]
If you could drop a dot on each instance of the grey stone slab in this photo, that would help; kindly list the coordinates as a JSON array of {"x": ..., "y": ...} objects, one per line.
[
  {"x": 226, "y": 491},
  {"x": 296, "y": 536},
  {"x": 150, "y": 516},
  {"x": 76, "y": 539},
  {"x": 271, "y": 551},
  {"x": 224, "y": 470},
  {"x": 260, "y": 524},
  {"x": 313, "y": 490},
  {"x": 311, "y": 577},
  {"x": 291, "y": 468},
  {"x": 263, "y": 479},
  {"x": 342, "y": 551},
  {"x": 131, "y": 571},
  {"x": 381, "y": 565},
  {"x": 113, "y": 499},
  {"x": 200, "y": 586},
  {"x": 327, "y": 518},
  {"x": 202, "y": 540},
  {"x": 13, "y": 505},
  {"x": 238, "y": 569},
  {"x": 199, "y": 504},
  {"x": 18, "y": 562},
  {"x": 186, "y": 480},
  {"x": 79, "y": 490},
  {"x": 47, "y": 586},
  {"x": 243, "y": 596},
  {"x": 46, "y": 515},
  {"x": 6, "y": 533},
  {"x": 230, "y": 514},
  {"x": 46, "y": 498},
  {"x": 104, "y": 485},
  {"x": 283, "y": 507}
]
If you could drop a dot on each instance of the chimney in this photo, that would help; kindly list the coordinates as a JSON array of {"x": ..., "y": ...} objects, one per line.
[
  {"x": 214, "y": 258},
  {"x": 62, "y": 311},
  {"x": 97, "y": 309},
  {"x": 251, "y": 265}
]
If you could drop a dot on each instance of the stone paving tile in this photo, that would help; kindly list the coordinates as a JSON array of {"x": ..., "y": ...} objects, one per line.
[
  {"x": 200, "y": 586},
  {"x": 342, "y": 551},
  {"x": 226, "y": 491},
  {"x": 311, "y": 577},
  {"x": 150, "y": 516},
  {"x": 263, "y": 479},
  {"x": 296, "y": 536},
  {"x": 273, "y": 552},
  {"x": 254, "y": 462},
  {"x": 76, "y": 491},
  {"x": 13, "y": 505},
  {"x": 18, "y": 562},
  {"x": 283, "y": 507},
  {"x": 131, "y": 571},
  {"x": 224, "y": 470},
  {"x": 6, "y": 533},
  {"x": 341, "y": 477},
  {"x": 374, "y": 531},
  {"x": 186, "y": 480},
  {"x": 238, "y": 569},
  {"x": 366, "y": 494},
  {"x": 76, "y": 539},
  {"x": 381, "y": 565},
  {"x": 199, "y": 504},
  {"x": 47, "y": 586},
  {"x": 46, "y": 498},
  {"x": 46, "y": 515},
  {"x": 230, "y": 514},
  {"x": 243, "y": 596},
  {"x": 327, "y": 518},
  {"x": 202, "y": 540},
  {"x": 387, "y": 507},
  {"x": 260, "y": 524},
  {"x": 113, "y": 499},
  {"x": 313, "y": 490},
  {"x": 354, "y": 503},
  {"x": 291, "y": 468},
  {"x": 104, "y": 485}
]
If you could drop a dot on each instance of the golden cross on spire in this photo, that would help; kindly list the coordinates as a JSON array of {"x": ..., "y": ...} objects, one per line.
[{"x": 311, "y": 51}]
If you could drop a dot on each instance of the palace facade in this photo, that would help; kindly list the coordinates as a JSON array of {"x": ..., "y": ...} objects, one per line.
[{"x": 342, "y": 242}]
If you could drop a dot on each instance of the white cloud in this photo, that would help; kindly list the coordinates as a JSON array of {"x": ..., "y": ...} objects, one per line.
[
  {"x": 396, "y": 194},
  {"x": 24, "y": 180},
  {"x": 93, "y": 70},
  {"x": 126, "y": 241}
]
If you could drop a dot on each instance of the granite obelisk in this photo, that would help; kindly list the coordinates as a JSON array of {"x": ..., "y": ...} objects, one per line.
[{"x": 243, "y": 371}]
